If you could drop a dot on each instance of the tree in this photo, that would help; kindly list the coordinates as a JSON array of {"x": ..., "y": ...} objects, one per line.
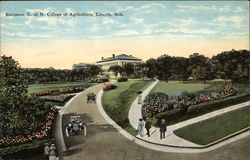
[
  {"x": 93, "y": 70},
  {"x": 18, "y": 112},
  {"x": 141, "y": 70},
  {"x": 151, "y": 69},
  {"x": 116, "y": 69},
  {"x": 229, "y": 64},
  {"x": 180, "y": 68},
  {"x": 13, "y": 93},
  {"x": 164, "y": 67},
  {"x": 128, "y": 69},
  {"x": 240, "y": 75}
]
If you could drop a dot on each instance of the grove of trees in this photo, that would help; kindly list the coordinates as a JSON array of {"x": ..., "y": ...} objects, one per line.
[
  {"x": 38, "y": 75},
  {"x": 233, "y": 65}
]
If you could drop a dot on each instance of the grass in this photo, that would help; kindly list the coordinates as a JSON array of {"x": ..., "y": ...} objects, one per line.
[
  {"x": 175, "y": 88},
  {"x": 117, "y": 102},
  {"x": 48, "y": 87},
  {"x": 213, "y": 129}
]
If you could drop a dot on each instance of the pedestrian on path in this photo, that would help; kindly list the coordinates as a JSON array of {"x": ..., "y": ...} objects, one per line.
[
  {"x": 148, "y": 126},
  {"x": 46, "y": 152},
  {"x": 163, "y": 128},
  {"x": 140, "y": 128},
  {"x": 52, "y": 153}
]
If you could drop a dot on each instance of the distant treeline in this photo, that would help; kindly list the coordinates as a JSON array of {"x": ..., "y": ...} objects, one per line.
[
  {"x": 229, "y": 65},
  {"x": 233, "y": 65},
  {"x": 50, "y": 75}
]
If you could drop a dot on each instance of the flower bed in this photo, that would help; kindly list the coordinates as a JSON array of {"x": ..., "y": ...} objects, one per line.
[
  {"x": 60, "y": 99},
  {"x": 160, "y": 102},
  {"x": 61, "y": 91},
  {"x": 43, "y": 133},
  {"x": 108, "y": 86}
]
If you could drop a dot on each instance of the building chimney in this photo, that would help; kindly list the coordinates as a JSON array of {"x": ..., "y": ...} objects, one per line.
[
  {"x": 113, "y": 55},
  {"x": 102, "y": 58}
]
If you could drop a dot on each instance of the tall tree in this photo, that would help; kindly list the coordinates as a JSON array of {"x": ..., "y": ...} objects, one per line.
[
  {"x": 128, "y": 69},
  {"x": 116, "y": 69}
]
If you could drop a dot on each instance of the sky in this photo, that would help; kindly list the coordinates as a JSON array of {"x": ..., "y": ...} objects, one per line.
[{"x": 40, "y": 34}]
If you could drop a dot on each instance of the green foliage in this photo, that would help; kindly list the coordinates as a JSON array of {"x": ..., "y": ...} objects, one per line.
[
  {"x": 51, "y": 75},
  {"x": 175, "y": 116},
  {"x": 24, "y": 148},
  {"x": 116, "y": 69},
  {"x": 20, "y": 114},
  {"x": 122, "y": 79},
  {"x": 233, "y": 65},
  {"x": 128, "y": 69}
]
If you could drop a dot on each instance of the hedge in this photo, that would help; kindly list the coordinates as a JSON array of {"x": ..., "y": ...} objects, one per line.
[
  {"x": 36, "y": 146},
  {"x": 175, "y": 115},
  {"x": 122, "y": 79}
]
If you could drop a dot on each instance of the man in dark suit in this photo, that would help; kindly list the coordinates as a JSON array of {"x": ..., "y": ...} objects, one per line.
[{"x": 163, "y": 128}]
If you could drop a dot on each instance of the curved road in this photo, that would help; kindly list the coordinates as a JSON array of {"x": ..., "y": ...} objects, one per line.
[{"x": 104, "y": 142}]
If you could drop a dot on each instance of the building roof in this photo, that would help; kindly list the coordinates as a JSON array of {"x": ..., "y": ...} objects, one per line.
[
  {"x": 119, "y": 57},
  {"x": 81, "y": 65}
]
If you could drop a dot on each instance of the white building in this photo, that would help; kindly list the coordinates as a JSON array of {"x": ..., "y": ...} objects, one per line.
[
  {"x": 80, "y": 65},
  {"x": 120, "y": 60}
]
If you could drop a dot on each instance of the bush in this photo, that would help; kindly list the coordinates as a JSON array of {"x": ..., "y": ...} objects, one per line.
[
  {"x": 109, "y": 86},
  {"x": 122, "y": 79},
  {"x": 24, "y": 149},
  {"x": 99, "y": 80},
  {"x": 176, "y": 115}
]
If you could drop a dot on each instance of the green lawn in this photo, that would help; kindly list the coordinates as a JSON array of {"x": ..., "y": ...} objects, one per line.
[
  {"x": 213, "y": 129},
  {"x": 48, "y": 87},
  {"x": 175, "y": 88},
  {"x": 117, "y": 102}
]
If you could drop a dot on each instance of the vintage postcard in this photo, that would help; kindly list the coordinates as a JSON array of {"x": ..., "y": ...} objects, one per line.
[{"x": 124, "y": 80}]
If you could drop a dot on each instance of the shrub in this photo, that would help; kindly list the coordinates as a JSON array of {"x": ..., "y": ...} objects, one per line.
[
  {"x": 176, "y": 115},
  {"x": 122, "y": 79},
  {"x": 24, "y": 149},
  {"x": 108, "y": 86}
]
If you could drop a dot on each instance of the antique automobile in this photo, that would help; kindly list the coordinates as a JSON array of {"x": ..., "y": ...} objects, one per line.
[
  {"x": 75, "y": 126},
  {"x": 91, "y": 97}
]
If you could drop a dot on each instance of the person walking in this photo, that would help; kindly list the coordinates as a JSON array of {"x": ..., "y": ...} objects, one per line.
[
  {"x": 148, "y": 126},
  {"x": 140, "y": 128},
  {"x": 163, "y": 128},
  {"x": 52, "y": 153},
  {"x": 46, "y": 152}
]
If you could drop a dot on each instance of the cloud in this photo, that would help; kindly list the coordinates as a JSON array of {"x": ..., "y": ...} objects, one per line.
[
  {"x": 95, "y": 28},
  {"x": 201, "y": 8},
  {"x": 69, "y": 10},
  {"x": 46, "y": 10},
  {"x": 147, "y": 6},
  {"x": 185, "y": 22},
  {"x": 237, "y": 20},
  {"x": 10, "y": 25},
  {"x": 239, "y": 10},
  {"x": 26, "y": 35},
  {"x": 126, "y": 33},
  {"x": 137, "y": 20},
  {"x": 187, "y": 31},
  {"x": 109, "y": 21},
  {"x": 142, "y": 8}
]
